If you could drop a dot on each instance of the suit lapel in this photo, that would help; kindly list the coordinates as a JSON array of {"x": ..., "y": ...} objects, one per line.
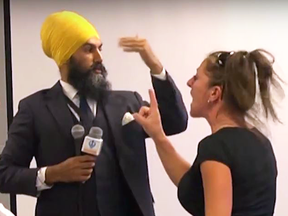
[
  {"x": 130, "y": 145},
  {"x": 113, "y": 109},
  {"x": 57, "y": 105}
]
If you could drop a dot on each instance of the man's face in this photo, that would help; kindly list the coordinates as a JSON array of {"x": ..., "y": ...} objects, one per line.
[{"x": 86, "y": 72}]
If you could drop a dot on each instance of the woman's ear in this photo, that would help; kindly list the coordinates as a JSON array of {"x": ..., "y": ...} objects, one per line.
[{"x": 215, "y": 94}]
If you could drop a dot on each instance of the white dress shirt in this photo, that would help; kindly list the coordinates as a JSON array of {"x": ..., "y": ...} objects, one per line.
[
  {"x": 4, "y": 211},
  {"x": 71, "y": 93}
]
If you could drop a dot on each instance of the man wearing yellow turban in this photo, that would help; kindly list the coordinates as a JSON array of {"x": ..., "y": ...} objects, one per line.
[{"x": 66, "y": 180}]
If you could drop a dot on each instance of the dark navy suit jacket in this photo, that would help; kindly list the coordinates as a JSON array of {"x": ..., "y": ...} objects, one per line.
[{"x": 41, "y": 129}]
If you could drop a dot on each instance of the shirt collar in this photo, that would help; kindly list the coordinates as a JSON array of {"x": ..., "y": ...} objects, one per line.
[{"x": 68, "y": 90}]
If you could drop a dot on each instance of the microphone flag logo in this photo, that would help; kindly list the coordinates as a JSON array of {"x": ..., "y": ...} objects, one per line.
[{"x": 92, "y": 143}]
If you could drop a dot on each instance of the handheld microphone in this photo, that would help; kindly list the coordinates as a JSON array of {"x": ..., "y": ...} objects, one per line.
[
  {"x": 78, "y": 132},
  {"x": 93, "y": 142}
]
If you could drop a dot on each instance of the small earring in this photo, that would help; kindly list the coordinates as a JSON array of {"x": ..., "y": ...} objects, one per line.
[{"x": 208, "y": 101}]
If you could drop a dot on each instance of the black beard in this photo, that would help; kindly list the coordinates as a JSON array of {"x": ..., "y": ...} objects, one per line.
[{"x": 87, "y": 82}]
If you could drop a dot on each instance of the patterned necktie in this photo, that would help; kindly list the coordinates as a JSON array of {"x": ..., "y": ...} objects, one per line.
[{"x": 87, "y": 116}]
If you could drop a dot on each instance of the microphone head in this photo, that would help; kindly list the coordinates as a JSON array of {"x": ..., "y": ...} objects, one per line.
[
  {"x": 96, "y": 132},
  {"x": 77, "y": 131}
]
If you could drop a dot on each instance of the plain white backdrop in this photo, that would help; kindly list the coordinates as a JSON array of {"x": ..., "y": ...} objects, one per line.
[{"x": 181, "y": 33}]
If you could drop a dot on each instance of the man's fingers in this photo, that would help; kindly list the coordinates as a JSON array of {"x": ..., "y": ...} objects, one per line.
[
  {"x": 131, "y": 50},
  {"x": 87, "y": 165},
  {"x": 132, "y": 43},
  {"x": 86, "y": 172},
  {"x": 87, "y": 158},
  {"x": 131, "y": 39}
]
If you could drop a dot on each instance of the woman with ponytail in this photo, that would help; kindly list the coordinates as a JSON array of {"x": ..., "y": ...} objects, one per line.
[{"x": 235, "y": 169}]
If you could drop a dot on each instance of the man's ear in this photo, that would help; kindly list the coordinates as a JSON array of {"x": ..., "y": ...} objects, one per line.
[{"x": 64, "y": 68}]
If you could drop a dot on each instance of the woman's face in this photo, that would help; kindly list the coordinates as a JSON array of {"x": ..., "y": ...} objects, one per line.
[{"x": 200, "y": 92}]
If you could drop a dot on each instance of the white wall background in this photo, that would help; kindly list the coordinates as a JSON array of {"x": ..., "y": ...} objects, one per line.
[{"x": 181, "y": 34}]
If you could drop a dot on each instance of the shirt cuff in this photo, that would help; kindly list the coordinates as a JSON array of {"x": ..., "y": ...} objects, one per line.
[
  {"x": 161, "y": 76},
  {"x": 40, "y": 181}
]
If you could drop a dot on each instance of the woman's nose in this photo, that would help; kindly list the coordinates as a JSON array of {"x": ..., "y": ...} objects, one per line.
[{"x": 190, "y": 82}]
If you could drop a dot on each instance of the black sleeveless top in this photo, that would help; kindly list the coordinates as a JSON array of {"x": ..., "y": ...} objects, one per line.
[{"x": 250, "y": 157}]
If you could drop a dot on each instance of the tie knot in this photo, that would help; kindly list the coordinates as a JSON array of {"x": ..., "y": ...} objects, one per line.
[{"x": 81, "y": 95}]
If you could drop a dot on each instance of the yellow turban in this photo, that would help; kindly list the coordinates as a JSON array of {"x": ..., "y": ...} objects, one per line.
[{"x": 63, "y": 33}]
